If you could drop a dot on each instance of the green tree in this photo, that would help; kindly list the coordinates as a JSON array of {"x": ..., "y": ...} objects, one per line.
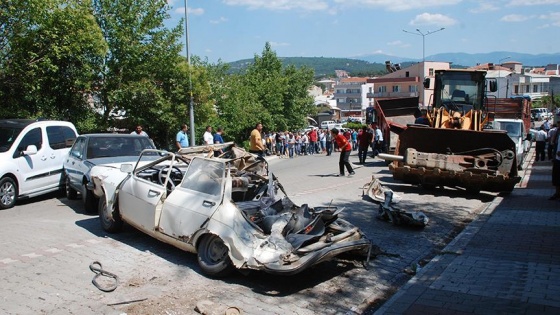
[
  {"x": 143, "y": 75},
  {"x": 50, "y": 59}
]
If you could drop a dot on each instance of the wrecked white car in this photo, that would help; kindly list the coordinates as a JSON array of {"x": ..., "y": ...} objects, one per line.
[{"x": 225, "y": 209}]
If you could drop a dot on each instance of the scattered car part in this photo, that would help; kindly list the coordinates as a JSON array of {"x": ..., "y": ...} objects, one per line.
[{"x": 398, "y": 216}]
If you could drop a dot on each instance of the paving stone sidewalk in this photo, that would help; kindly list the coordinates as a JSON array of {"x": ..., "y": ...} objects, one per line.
[{"x": 505, "y": 262}]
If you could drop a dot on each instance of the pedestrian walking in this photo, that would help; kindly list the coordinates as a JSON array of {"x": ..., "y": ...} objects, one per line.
[
  {"x": 329, "y": 143},
  {"x": 255, "y": 141},
  {"x": 364, "y": 141},
  {"x": 181, "y": 139},
  {"x": 354, "y": 140},
  {"x": 345, "y": 150},
  {"x": 540, "y": 139},
  {"x": 377, "y": 144}
]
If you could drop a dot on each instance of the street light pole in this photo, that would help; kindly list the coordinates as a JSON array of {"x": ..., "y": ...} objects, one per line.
[
  {"x": 191, "y": 103},
  {"x": 500, "y": 74},
  {"x": 420, "y": 33}
]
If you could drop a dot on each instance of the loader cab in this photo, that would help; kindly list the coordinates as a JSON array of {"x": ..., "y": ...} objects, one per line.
[{"x": 459, "y": 90}]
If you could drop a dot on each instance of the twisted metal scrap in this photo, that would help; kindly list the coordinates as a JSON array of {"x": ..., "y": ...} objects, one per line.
[{"x": 100, "y": 272}]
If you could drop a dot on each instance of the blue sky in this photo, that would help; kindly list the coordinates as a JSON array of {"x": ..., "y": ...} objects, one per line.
[{"x": 230, "y": 30}]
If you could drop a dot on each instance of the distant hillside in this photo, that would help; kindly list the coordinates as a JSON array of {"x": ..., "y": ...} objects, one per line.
[
  {"x": 374, "y": 65},
  {"x": 324, "y": 67},
  {"x": 469, "y": 60}
]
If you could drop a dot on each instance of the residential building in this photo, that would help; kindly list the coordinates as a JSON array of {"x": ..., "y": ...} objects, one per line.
[
  {"x": 515, "y": 81},
  {"x": 407, "y": 82},
  {"x": 351, "y": 96}
]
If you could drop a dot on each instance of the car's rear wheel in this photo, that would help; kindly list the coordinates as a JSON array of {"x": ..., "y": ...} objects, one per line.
[
  {"x": 8, "y": 193},
  {"x": 91, "y": 203},
  {"x": 110, "y": 220},
  {"x": 213, "y": 257},
  {"x": 71, "y": 193}
]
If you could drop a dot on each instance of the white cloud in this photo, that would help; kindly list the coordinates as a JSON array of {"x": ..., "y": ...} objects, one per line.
[
  {"x": 398, "y": 5},
  {"x": 395, "y": 43},
  {"x": 514, "y": 18},
  {"x": 219, "y": 21},
  {"x": 485, "y": 7},
  {"x": 533, "y": 2},
  {"x": 308, "y": 5},
  {"x": 432, "y": 19},
  {"x": 553, "y": 17}
]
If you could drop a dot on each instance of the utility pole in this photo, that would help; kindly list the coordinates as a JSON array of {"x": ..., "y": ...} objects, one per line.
[
  {"x": 420, "y": 33},
  {"x": 191, "y": 103}
]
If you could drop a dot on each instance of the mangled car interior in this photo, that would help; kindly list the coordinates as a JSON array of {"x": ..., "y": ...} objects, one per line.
[{"x": 229, "y": 210}]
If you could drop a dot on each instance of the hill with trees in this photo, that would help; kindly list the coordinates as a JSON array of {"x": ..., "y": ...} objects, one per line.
[{"x": 324, "y": 66}]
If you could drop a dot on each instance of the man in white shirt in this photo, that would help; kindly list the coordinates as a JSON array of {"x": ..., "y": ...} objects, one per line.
[
  {"x": 377, "y": 144},
  {"x": 208, "y": 138},
  {"x": 540, "y": 139}
]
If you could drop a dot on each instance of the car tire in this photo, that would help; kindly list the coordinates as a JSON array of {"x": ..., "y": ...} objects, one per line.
[
  {"x": 213, "y": 257},
  {"x": 91, "y": 203},
  {"x": 110, "y": 222},
  {"x": 8, "y": 193},
  {"x": 71, "y": 193}
]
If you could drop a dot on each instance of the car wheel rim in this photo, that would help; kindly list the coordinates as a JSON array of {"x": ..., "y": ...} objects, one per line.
[
  {"x": 7, "y": 193},
  {"x": 216, "y": 251}
]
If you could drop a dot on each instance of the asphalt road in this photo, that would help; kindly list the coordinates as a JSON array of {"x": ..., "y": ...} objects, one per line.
[{"x": 48, "y": 244}]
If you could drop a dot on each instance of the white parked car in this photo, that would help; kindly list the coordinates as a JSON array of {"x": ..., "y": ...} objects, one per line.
[
  {"x": 516, "y": 131},
  {"x": 227, "y": 210},
  {"x": 31, "y": 155}
]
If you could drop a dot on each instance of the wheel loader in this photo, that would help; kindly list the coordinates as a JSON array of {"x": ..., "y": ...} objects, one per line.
[{"x": 453, "y": 148}]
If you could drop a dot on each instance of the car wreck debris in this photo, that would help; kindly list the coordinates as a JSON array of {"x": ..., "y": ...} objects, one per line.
[
  {"x": 398, "y": 216},
  {"x": 228, "y": 210},
  {"x": 376, "y": 191}
]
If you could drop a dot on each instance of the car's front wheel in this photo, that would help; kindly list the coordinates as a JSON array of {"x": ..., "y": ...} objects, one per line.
[
  {"x": 213, "y": 257},
  {"x": 110, "y": 220},
  {"x": 90, "y": 202},
  {"x": 8, "y": 193}
]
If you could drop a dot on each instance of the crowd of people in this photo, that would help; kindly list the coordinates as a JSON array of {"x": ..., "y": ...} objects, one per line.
[{"x": 288, "y": 144}]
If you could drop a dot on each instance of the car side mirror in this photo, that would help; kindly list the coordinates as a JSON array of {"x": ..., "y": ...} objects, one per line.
[
  {"x": 30, "y": 150},
  {"x": 126, "y": 168}
]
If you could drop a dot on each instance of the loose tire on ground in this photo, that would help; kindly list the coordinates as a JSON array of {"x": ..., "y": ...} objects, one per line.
[
  {"x": 110, "y": 222},
  {"x": 8, "y": 193},
  {"x": 213, "y": 257}
]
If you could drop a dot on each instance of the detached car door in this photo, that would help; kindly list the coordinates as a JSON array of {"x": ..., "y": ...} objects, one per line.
[
  {"x": 193, "y": 203},
  {"x": 141, "y": 195}
]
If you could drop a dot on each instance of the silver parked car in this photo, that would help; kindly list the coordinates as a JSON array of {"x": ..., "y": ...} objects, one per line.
[
  {"x": 228, "y": 210},
  {"x": 98, "y": 149}
]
